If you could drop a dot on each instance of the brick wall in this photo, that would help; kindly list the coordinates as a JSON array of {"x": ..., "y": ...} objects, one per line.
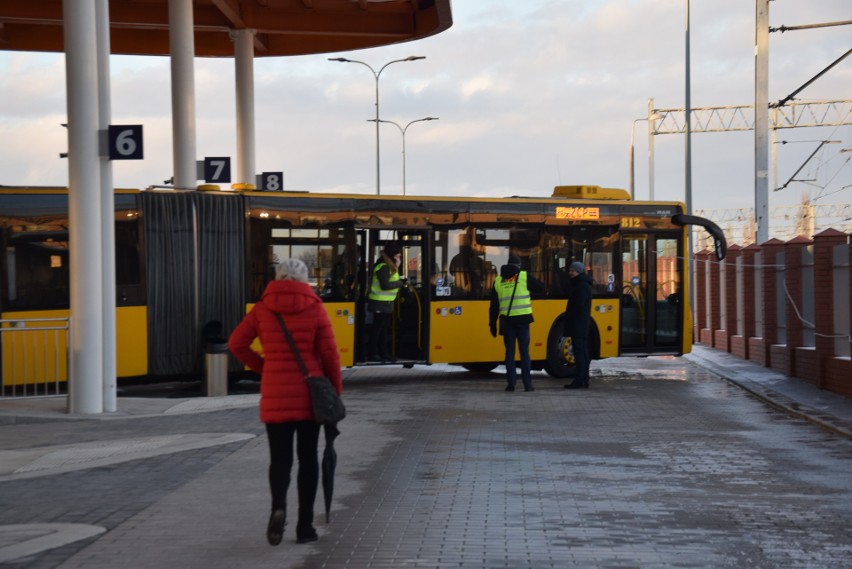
[{"x": 740, "y": 333}]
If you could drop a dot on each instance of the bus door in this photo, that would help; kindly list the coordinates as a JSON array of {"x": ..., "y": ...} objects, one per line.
[
  {"x": 651, "y": 302},
  {"x": 412, "y": 304},
  {"x": 409, "y": 325}
]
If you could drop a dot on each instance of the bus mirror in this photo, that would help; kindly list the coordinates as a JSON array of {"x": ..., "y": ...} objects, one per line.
[{"x": 719, "y": 242}]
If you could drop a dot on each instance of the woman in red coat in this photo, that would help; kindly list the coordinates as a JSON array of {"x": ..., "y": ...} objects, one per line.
[{"x": 285, "y": 402}]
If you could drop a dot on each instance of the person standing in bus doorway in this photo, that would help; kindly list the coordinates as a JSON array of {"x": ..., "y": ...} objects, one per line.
[
  {"x": 384, "y": 287},
  {"x": 511, "y": 303},
  {"x": 285, "y": 401},
  {"x": 578, "y": 315},
  {"x": 467, "y": 268}
]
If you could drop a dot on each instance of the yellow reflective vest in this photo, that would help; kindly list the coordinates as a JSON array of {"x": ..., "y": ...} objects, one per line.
[
  {"x": 376, "y": 290},
  {"x": 521, "y": 303}
]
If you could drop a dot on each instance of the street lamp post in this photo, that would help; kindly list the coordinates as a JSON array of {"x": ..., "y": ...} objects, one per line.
[
  {"x": 632, "y": 159},
  {"x": 402, "y": 131},
  {"x": 653, "y": 116},
  {"x": 376, "y": 75},
  {"x": 688, "y": 166}
]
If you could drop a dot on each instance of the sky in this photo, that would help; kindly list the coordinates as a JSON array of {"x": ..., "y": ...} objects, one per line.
[{"x": 529, "y": 95}]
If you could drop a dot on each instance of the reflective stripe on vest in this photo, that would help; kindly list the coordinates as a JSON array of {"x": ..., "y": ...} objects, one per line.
[
  {"x": 521, "y": 304},
  {"x": 376, "y": 290}
]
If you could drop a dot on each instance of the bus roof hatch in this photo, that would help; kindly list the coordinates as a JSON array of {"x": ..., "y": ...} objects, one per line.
[{"x": 590, "y": 193}]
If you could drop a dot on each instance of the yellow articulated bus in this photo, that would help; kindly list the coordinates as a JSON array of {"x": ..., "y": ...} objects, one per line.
[{"x": 191, "y": 263}]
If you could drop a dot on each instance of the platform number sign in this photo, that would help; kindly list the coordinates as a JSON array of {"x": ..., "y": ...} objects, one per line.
[
  {"x": 217, "y": 170},
  {"x": 125, "y": 141},
  {"x": 273, "y": 181}
]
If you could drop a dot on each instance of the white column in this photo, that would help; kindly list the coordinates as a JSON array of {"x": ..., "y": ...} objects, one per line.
[
  {"x": 85, "y": 394},
  {"x": 107, "y": 209},
  {"x": 182, "y": 48},
  {"x": 244, "y": 68}
]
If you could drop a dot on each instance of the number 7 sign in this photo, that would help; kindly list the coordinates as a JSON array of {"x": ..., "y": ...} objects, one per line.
[{"x": 217, "y": 170}]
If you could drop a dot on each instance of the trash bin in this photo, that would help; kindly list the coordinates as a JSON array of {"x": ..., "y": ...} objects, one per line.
[{"x": 215, "y": 382}]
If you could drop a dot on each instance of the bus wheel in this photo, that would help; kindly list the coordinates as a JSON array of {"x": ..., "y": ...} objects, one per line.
[
  {"x": 560, "y": 357},
  {"x": 480, "y": 367}
]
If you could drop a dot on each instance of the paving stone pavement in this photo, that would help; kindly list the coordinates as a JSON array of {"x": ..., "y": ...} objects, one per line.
[{"x": 687, "y": 462}]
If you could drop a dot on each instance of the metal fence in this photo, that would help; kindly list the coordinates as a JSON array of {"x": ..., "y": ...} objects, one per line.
[{"x": 35, "y": 356}]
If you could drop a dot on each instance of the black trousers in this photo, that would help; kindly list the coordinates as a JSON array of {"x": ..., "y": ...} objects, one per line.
[
  {"x": 379, "y": 335},
  {"x": 583, "y": 360},
  {"x": 280, "y": 437}
]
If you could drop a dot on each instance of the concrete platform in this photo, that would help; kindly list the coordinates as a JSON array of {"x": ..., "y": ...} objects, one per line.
[{"x": 700, "y": 461}]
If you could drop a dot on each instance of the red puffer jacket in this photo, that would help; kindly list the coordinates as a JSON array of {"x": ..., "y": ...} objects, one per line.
[{"x": 284, "y": 394}]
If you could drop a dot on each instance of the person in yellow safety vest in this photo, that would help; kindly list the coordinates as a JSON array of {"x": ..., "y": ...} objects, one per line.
[
  {"x": 511, "y": 305},
  {"x": 384, "y": 287}
]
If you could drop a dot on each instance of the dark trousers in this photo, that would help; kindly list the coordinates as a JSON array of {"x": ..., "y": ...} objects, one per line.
[
  {"x": 379, "y": 334},
  {"x": 280, "y": 437},
  {"x": 521, "y": 334},
  {"x": 582, "y": 360}
]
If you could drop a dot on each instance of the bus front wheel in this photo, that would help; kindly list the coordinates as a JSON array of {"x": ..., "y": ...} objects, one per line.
[{"x": 560, "y": 358}]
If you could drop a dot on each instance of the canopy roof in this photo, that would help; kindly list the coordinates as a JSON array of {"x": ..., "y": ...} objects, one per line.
[{"x": 284, "y": 27}]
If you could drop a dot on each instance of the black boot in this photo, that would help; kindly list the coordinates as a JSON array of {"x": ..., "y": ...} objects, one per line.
[
  {"x": 275, "y": 528},
  {"x": 305, "y": 531},
  {"x": 306, "y": 534},
  {"x": 576, "y": 385}
]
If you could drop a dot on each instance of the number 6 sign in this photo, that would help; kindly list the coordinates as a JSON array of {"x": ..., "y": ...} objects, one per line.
[{"x": 125, "y": 142}]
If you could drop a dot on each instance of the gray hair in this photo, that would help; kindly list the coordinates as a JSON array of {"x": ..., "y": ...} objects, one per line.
[{"x": 292, "y": 269}]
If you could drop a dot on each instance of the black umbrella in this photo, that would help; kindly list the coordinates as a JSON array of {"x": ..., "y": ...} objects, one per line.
[{"x": 329, "y": 463}]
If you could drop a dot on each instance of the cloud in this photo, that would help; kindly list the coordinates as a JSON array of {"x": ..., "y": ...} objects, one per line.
[{"x": 530, "y": 95}]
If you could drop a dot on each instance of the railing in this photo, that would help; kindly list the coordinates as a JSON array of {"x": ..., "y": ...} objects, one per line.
[{"x": 35, "y": 356}]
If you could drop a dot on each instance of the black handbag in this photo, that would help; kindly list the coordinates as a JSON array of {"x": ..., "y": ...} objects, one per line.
[{"x": 327, "y": 406}]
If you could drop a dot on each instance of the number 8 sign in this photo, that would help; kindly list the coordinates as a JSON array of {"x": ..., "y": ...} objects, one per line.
[
  {"x": 273, "y": 181},
  {"x": 125, "y": 142}
]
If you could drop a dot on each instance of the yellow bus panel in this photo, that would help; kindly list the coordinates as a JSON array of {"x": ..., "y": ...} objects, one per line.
[
  {"x": 459, "y": 330},
  {"x": 131, "y": 341},
  {"x": 605, "y": 314},
  {"x": 342, "y": 316}
]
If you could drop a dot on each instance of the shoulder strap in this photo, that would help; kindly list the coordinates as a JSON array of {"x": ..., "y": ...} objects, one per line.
[
  {"x": 293, "y": 347},
  {"x": 511, "y": 300}
]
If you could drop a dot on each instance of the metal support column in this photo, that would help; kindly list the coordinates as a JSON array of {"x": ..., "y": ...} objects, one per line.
[
  {"x": 85, "y": 389},
  {"x": 651, "y": 127},
  {"x": 761, "y": 121},
  {"x": 688, "y": 172},
  {"x": 182, "y": 48},
  {"x": 107, "y": 213},
  {"x": 244, "y": 69}
]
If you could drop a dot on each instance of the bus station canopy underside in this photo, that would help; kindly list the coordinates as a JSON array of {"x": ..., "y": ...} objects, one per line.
[{"x": 282, "y": 27}]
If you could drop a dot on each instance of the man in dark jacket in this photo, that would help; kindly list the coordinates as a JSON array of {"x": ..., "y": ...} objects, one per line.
[
  {"x": 511, "y": 299},
  {"x": 578, "y": 313}
]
